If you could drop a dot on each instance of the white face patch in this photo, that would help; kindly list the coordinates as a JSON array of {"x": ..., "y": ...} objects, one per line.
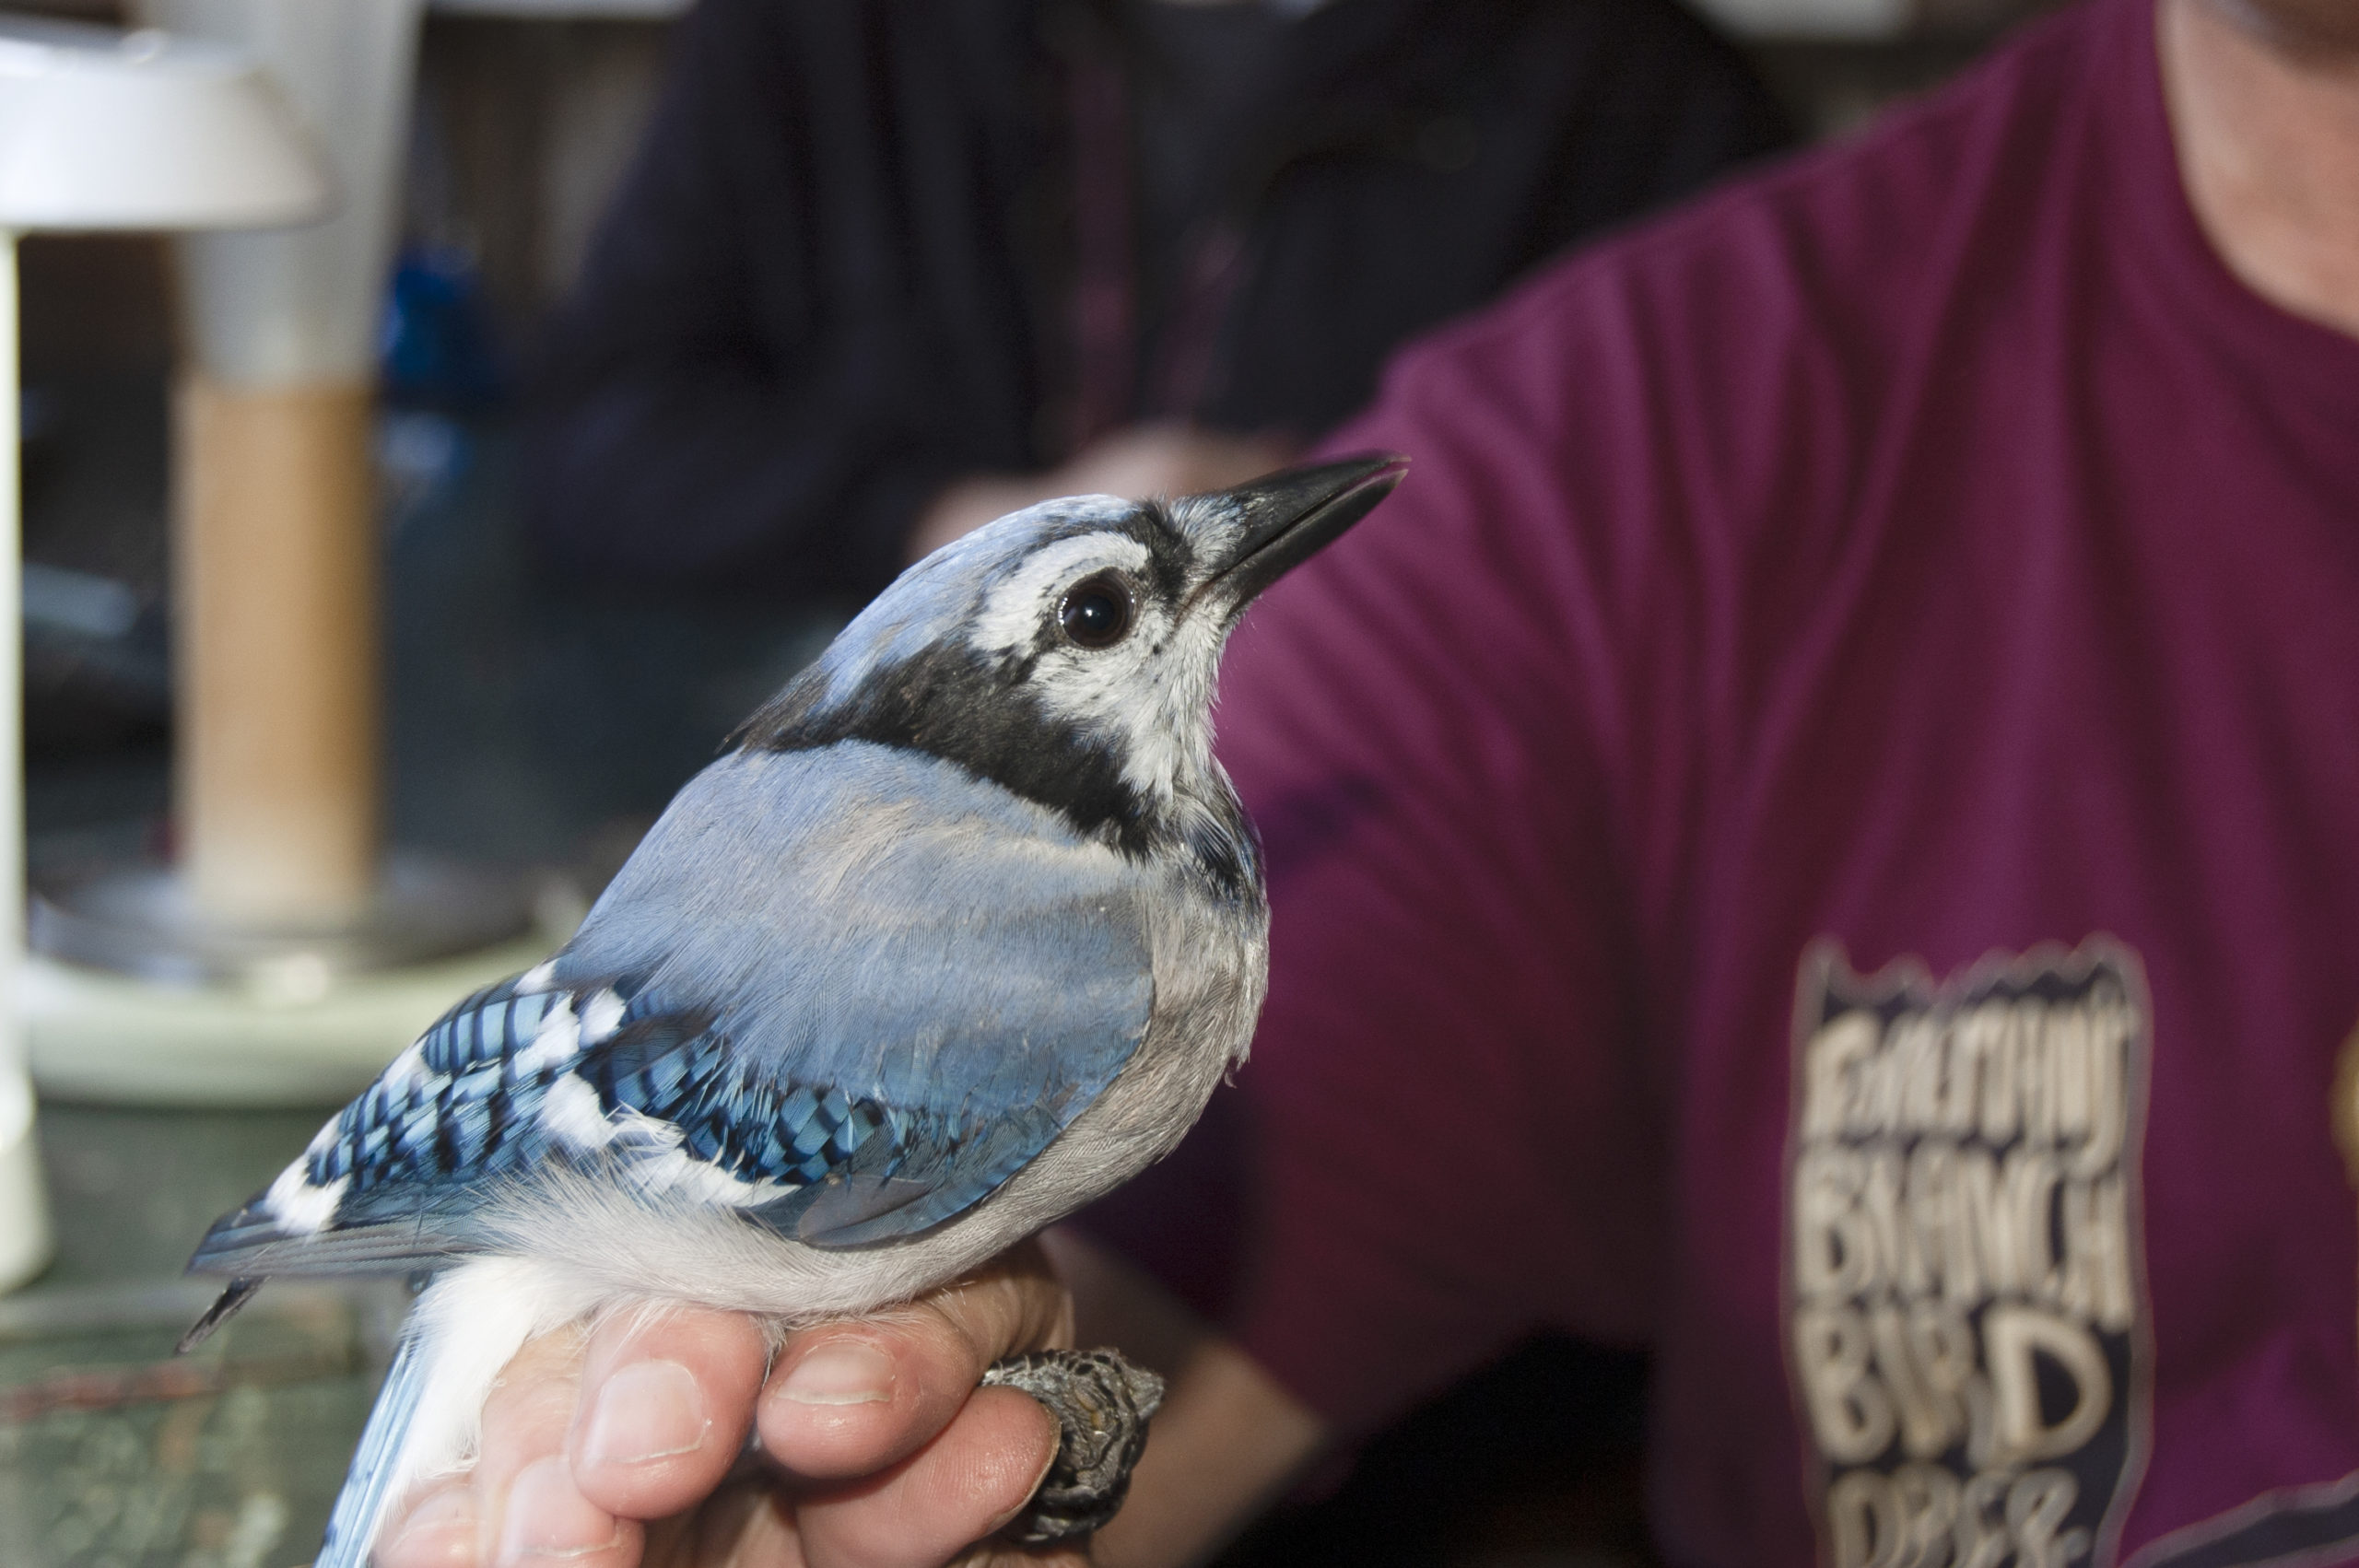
[
  {"x": 1148, "y": 693},
  {"x": 1151, "y": 692},
  {"x": 1014, "y": 609},
  {"x": 933, "y": 598}
]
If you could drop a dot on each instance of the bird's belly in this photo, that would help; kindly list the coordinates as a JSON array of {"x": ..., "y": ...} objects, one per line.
[{"x": 608, "y": 1244}]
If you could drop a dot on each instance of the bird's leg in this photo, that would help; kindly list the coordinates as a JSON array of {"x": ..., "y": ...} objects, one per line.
[{"x": 1102, "y": 1403}]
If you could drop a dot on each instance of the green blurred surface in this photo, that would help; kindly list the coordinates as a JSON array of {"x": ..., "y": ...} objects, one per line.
[{"x": 115, "y": 1454}]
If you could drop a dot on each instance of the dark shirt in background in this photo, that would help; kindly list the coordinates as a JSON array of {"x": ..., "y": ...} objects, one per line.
[{"x": 868, "y": 248}]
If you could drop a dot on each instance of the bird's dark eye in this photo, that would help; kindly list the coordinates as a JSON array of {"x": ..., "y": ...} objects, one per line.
[{"x": 1096, "y": 611}]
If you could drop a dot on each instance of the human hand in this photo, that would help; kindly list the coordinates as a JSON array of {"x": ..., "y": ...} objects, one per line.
[
  {"x": 622, "y": 1447},
  {"x": 1139, "y": 460},
  {"x": 1167, "y": 460}
]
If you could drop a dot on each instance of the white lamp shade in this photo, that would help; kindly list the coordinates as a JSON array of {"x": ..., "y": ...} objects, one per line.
[
  {"x": 303, "y": 308},
  {"x": 101, "y": 130}
]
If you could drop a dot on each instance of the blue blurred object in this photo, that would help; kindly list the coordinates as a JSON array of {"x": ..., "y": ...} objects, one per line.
[
  {"x": 422, "y": 454},
  {"x": 437, "y": 346}
]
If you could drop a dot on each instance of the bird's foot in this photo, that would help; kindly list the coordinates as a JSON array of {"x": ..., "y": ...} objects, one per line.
[{"x": 1101, "y": 1403}]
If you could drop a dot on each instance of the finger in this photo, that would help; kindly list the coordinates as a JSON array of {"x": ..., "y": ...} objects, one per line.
[
  {"x": 847, "y": 1400},
  {"x": 664, "y": 1410},
  {"x": 547, "y": 1521},
  {"x": 453, "y": 1524},
  {"x": 439, "y": 1531},
  {"x": 527, "y": 1507},
  {"x": 749, "y": 1523},
  {"x": 975, "y": 1477}
]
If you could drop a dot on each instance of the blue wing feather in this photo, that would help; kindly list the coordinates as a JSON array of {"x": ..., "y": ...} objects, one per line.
[
  {"x": 880, "y": 935},
  {"x": 859, "y": 981},
  {"x": 882, "y": 919}
]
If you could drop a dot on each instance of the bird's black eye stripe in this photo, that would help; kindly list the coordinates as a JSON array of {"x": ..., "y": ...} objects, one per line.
[{"x": 1097, "y": 610}]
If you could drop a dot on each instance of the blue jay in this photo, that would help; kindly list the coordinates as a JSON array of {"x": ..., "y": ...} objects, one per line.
[{"x": 958, "y": 935}]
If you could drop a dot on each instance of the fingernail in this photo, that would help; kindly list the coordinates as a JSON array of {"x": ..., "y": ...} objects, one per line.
[
  {"x": 547, "y": 1519},
  {"x": 442, "y": 1530},
  {"x": 841, "y": 1372},
  {"x": 1048, "y": 1460},
  {"x": 647, "y": 1410}
]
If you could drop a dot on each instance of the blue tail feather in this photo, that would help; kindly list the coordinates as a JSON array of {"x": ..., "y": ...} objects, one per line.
[{"x": 352, "y": 1527}]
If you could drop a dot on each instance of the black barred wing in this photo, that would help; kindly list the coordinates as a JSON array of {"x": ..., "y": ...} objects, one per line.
[
  {"x": 605, "y": 1078},
  {"x": 846, "y": 993},
  {"x": 458, "y": 1105},
  {"x": 680, "y": 1109},
  {"x": 393, "y": 1179}
]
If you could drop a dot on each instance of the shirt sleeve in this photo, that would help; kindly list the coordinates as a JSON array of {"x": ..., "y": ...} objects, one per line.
[
  {"x": 1448, "y": 1135},
  {"x": 697, "y": 415}
]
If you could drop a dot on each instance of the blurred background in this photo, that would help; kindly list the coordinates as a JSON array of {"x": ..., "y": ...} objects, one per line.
[{"x": 605, "y": 523}]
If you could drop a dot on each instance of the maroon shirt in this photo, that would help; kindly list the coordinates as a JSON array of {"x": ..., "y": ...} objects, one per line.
[{"x": 1820, "y": 831}]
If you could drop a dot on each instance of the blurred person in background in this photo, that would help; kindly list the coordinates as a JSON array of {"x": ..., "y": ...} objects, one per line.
[
  {"x": 1818, "y": 831},
  {"x": 884, "y": 272}
]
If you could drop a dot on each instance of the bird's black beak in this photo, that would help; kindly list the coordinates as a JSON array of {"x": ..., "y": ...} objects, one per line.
[{"x": 1292, "y": 514}]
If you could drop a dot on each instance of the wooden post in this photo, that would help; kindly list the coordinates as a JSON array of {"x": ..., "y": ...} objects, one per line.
[
  {"x": 275, "y": 545},
  {"x": 274, "y": 550}
]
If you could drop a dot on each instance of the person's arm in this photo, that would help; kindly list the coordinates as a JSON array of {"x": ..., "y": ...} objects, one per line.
[
  {"x": 1138, "y": 460},
  {"x": 1228, "y": 1440},
  {"x": 726, "y": 395}
]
